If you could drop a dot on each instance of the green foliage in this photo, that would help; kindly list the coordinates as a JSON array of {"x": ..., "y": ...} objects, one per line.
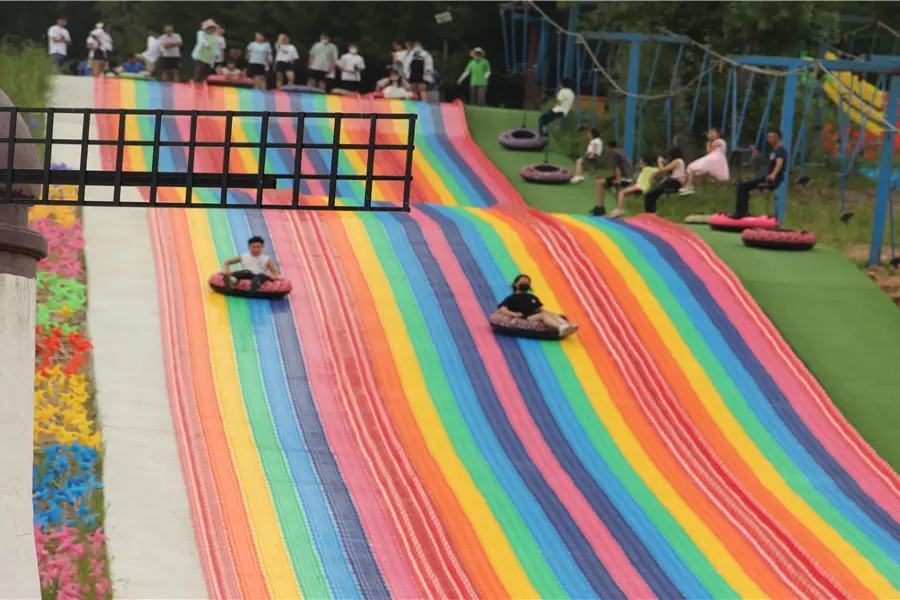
[{"x": 24, "y": 73}]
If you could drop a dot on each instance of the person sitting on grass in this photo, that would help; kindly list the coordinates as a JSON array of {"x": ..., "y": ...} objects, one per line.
[
  {"x": 715, "y": 163},
  {"x": 643, "y": 183},
  {"x": 565, "y": 98},
  {"x": 255, "y": 266},
  {"x": 523, "y": 305},
  {"x": 594, "y": 150},
  {"x": 675, "y": 174},
  {"x": 622, "y": 172},
  {"x": 778, "y": 158}
]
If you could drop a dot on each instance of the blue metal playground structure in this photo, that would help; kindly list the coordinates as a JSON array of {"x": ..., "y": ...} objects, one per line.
[{"x": 594, "y": 59}]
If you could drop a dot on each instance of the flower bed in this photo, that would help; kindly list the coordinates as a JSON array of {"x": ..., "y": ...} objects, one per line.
[{"x": 68, "y": 492}]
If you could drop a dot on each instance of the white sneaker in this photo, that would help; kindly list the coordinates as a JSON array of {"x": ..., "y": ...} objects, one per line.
[
  {"x": 616, "y": 213},
  {"x": 576, "y": 179},
  {"x": 686, "y": 191}
]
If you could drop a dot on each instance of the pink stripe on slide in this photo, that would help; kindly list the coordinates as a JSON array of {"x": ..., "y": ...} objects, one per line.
[
  {"x": 603, "y": 543},
  {"x": 805, "y": 394}
]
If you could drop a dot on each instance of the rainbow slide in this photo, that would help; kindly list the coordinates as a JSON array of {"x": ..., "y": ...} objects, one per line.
[{"x": 369, "y": 436}]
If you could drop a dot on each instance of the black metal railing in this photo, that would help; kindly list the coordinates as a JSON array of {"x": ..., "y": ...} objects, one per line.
[{"x": 223, "y": 180}]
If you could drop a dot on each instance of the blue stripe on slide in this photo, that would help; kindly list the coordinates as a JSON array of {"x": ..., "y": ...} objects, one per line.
[
  {"x": 579, "y": 547},
  {"x": 536, "y": 399},
  {"x": 350, "y": 529},
  {"x": 627, "y": 520},
  {"x": 462, "y": 396}
]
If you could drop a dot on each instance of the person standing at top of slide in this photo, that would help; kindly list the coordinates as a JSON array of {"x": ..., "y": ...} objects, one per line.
[
  {"x": 565, "y": 98},
  {"x": 150, "y": 56},
  {"x": 351, "y": 66},
  {"x": 99, "y": 44},
  {"x": 171, "y": 54},
  {"x": 59, "y": 39},
  {"x": 418, "y": 67},
  {"x": 286, "y": 57},
  {"x": 322, "y": 58},
  {"x": 259, "y": 54},
  {"x": 204, "y": 53},
  {"x": 479, "y": 69},
  {"x": 221, "y": 46}
]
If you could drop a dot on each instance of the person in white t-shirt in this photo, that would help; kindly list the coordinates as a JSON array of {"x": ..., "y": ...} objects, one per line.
[
  {"x": 259, "y": 55},
  {"x": 150, "y": 56},
  {"x": 286, "y": 57},
  {"x": 58, "y": 40},
  {"x": 565, "y": 98},
  {"x": 351, "y": 66},
  {"x": 99, "y": 44},
  {"x": 221, "y": 46},
  {"x": 255, "y": 266},
  {"x": 170, "y": 43},
  {"x": 592, "y": 155}
]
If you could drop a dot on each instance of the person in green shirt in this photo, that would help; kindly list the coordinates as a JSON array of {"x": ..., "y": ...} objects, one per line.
[{"x": 480, "y": 70}]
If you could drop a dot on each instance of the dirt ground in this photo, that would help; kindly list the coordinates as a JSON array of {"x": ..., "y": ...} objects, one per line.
[{"x": 887, "y": 278}]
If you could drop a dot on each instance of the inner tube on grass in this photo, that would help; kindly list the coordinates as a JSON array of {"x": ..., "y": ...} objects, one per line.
[
  {"x": 779, "y": 239},
  {"x": 723, "y": 222},
  {"x": 697, "y": 219},
  {"x": 545, "y": 173},
  {"x": 522, "y": 139},
  {"x": 270, "y": 290},
  {"x": 512, "y": 326}
]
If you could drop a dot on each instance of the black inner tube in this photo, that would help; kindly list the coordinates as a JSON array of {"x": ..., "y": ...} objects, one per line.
[
  {"x": 523, "y": 134},
  {"x": 546, "y": 168}
]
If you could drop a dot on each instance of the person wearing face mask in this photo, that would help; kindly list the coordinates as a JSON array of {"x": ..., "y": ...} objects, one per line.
[
  {"x": 522, "y": 304},
  {"x": 322, "y": 59},
  {"x": 351, "y": 65}
]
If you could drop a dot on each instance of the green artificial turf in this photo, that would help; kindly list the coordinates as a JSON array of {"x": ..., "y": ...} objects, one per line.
[
  {"x": 838, "y": 322},
  {"x": 486, "y": 124}
]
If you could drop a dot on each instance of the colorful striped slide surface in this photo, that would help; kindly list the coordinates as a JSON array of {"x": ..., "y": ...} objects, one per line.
[{"x": 370, "y": 437}]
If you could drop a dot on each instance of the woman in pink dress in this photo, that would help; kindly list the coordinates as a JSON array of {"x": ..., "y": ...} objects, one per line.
[{"x": 714, "y": 164}]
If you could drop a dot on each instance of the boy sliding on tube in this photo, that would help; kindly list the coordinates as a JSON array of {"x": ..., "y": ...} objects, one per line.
[{"x": 255, "y": 266}]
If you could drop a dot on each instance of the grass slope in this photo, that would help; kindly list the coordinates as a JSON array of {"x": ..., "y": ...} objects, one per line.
[{"x": 839, "y": 323}]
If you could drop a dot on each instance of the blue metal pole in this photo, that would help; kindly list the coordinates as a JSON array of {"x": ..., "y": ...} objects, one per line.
[
  {"x": 525, "y": 41},
  {"x": 509, "y": 67},
  {"x": 634, "y": 73},
  {"x": 595, "y": 82},
  {"x": 570, "y": 40},
  {"x": 883, "y": 191},
  {"x": 787, "y": 130},
  {"x": 541, "y": 73},
  {"x": 697, "y": 93},
  {"x": 727, "y": 98},
  {"x": 558, "y": 59},
  {"x": 578, "y": 53},
  {"x": 736, "y": 139},
  {"x": 668, "y": 108}
]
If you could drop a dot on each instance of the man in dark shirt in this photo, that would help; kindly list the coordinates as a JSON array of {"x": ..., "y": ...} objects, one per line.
[
  {"x": 622, "y": 174},
  {"x": 778, "y": 158}
]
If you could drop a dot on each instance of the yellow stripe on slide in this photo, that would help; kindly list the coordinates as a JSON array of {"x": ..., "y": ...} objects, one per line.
[
  {"x": 354, "y": 157},
  {"x": 485, "y": 525},
  {"x": 630, "y": 447},
  {"x": 437, "y": 192},
  {"x": 261, "y": 509},
  {"x": 726, "y": 421}
]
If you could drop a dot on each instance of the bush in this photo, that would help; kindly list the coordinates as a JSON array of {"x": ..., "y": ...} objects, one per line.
[{"x": 25, "y": 72}]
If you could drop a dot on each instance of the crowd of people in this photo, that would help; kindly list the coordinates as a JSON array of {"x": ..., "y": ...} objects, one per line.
[
  {"x": 665, "y": 174},
  {"x": 410, "y": 74}
]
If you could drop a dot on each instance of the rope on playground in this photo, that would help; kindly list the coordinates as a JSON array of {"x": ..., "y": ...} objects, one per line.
[
  {"x": 868, "y": 112},
  {"x": 687, "y": 87}
]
